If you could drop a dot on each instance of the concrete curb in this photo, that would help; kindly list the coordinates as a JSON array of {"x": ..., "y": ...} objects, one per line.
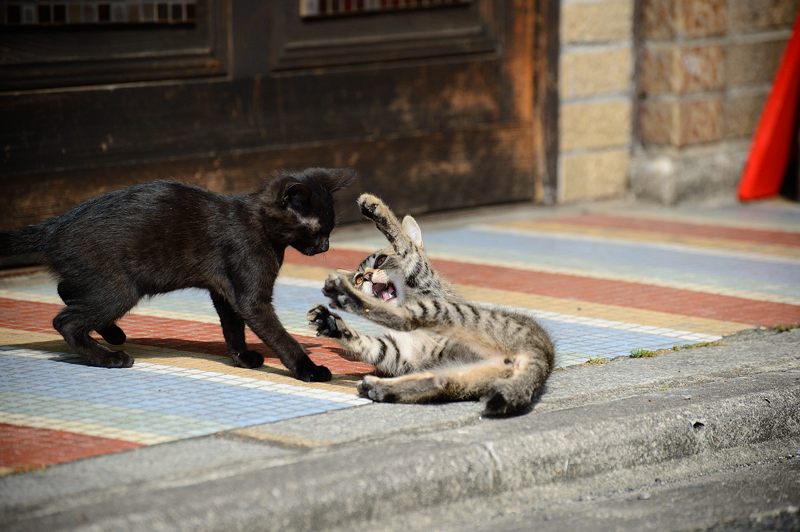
[{"x": 365, "y": 479}]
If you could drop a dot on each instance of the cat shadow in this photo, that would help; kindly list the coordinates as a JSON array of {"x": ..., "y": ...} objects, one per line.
[{"x": 147, "y": 349}]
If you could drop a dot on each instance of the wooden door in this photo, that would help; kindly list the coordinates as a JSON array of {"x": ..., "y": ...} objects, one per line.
[{"x": 437, "y": 104}]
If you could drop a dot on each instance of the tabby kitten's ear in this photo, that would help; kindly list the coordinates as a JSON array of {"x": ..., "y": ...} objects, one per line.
[{"x": 411, "y": 228}]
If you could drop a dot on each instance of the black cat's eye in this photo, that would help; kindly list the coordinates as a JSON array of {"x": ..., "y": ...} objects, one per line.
[
  {"x": 379, "y": 260},
  {"x": 358, "y": 279}
]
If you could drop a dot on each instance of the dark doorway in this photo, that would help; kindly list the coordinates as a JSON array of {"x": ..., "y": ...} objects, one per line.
[{"x": 437, "y": 104}]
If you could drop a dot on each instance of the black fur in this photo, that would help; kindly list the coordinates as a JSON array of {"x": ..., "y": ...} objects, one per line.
[{"x": 153, "y": 238}]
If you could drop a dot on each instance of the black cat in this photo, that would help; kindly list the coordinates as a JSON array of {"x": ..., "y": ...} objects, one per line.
[{"x": 153, "y": 238}]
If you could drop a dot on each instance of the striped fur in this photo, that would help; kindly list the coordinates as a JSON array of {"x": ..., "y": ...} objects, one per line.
[{"x": 439, "y": 347}]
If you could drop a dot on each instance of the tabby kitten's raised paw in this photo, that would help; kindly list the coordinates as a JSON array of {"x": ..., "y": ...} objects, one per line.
[
  {"x": 342, "y": 294},
  {"x": 370, "y": 205}
]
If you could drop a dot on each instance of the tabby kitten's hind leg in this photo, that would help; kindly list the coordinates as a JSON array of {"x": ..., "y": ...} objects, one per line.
[
  {"x": 513, "y": 395},
  {"x": 455, "y": 382}
]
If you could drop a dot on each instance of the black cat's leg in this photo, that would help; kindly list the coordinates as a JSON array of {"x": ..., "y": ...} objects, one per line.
[
  {"x": 261, "y": 318},
  {"x": 67, "y": 292},
  {"x": 233, "y": 331},
  {"x": 111, "y": 333},
  {"x": 74, "y": 323},
  {"x": 90, "y": 307}
]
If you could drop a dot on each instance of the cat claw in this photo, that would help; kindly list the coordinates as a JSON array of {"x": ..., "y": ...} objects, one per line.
[
  {"x": 368, "y": 203},
  {"x": 325, "y": 321}
]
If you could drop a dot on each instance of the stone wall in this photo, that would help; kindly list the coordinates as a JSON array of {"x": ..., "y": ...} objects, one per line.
[
  {"x": 706, "y": 67},
  {"x": 596, "y": 98},
  {"x": 661, "y": 97}
]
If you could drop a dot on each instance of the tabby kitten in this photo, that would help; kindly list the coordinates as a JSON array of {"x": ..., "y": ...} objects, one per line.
[
  {"x": 152, "y": 238},
  {"x": 441, "y": 346}
]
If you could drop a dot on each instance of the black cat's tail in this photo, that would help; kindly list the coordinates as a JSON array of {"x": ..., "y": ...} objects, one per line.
[{"x": 31, "y": 239}]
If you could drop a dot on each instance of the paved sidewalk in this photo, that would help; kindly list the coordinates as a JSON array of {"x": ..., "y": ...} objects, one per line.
[
  {"x": 609, "y": 446},
  {"x": 606, "y": 281}
]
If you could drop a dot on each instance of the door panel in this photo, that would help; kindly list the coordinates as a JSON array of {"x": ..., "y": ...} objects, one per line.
[{"x": 433, "y": 106}]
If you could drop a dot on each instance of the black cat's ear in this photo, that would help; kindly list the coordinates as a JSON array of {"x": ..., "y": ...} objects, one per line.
[
  {"x": 334, "y": 179},
  {"x": 296, "y": 194}
]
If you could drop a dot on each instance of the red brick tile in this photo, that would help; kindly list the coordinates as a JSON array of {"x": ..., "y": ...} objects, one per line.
[
  {"x": 762, "y": 236},
  {"x": 607, "y": 292},
  {"x": 23, "y": 448},
  {"x": 193, "y": 336}
]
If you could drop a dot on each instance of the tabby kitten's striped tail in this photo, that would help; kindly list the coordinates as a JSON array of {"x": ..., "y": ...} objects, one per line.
[{"x": 514, "y": 395}]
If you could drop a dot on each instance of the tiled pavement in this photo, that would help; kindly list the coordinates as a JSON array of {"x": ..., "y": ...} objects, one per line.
[{"x": 604, "y": 281}]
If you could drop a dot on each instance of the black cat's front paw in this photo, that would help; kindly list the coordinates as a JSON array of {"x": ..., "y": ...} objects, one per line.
[
  {"x": 248, "y": 359},
  {"x": 327, "y": 323},
  {"x": 309, "y": 372},
  {"x": 342, "y": 294},
  {"x": 111, "y": 359},
  {"x": 373, "y": 388},
  {"x": 371, "y": 206}
]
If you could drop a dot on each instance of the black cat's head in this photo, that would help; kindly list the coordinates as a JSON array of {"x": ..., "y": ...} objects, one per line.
[{"x": 305, "y": 200}]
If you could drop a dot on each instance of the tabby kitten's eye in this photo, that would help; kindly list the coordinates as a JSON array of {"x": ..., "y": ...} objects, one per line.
[
  {"x": 358, "y": 279},
  {"x": 379, "y": 260}
]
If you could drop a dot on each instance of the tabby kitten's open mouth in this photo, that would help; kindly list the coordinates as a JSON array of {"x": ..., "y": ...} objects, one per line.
[{"x": 384, "y": 291}]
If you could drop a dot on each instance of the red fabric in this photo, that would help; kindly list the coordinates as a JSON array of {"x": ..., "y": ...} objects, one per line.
[{"x": 772, "y": 144}]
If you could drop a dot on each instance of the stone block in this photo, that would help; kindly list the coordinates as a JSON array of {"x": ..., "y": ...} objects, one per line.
[
  {"x": 594, "y": 175},
  {"x": 700, "y": 121},
  {"x": 760, "y": 15},
  {"x": 701, "y": 18},
  {"x": 682, "y": 69},
  {"x": 679, "y": 122},
  {"x": 706, "y": 173},
  {"x": 658, "y": 122},
  {"x": 698, "y": 68},
  {"x": 597, "y": 21},
  {"x": 668, "y": 19},
  {"x": 600, "y": 124},
  {"x": 741, "y": 113},
  {"x": 659, "y": 19},
  {"x": 595, "y": 72},
  {"x": 754, "y": 62},
  {"x": 656, "y": 69}
]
